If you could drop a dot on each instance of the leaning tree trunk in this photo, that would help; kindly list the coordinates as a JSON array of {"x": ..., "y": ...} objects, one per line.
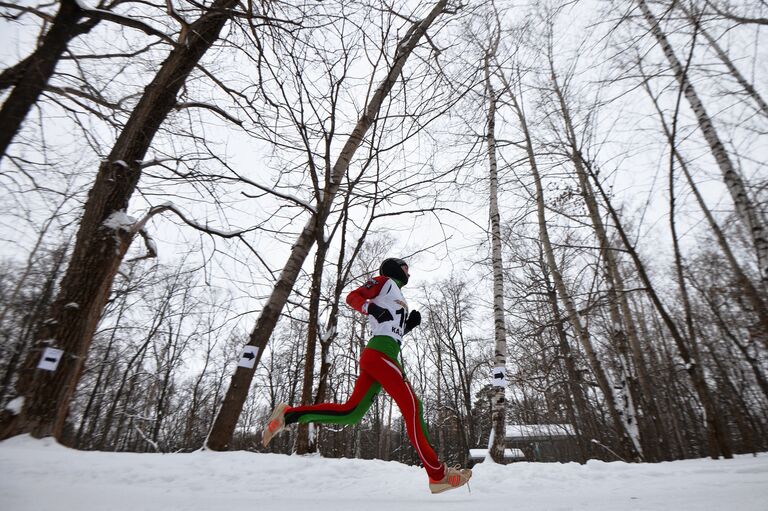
[
  {"x": 30, "y": 76},
  {"x": 752, "y": 293},
  {"x": 102, "y": 242},
  {"x": 32, "y": 320},
  {"x": 559, "y": 281},
  {"x": 498, "y": 401},
  {"x": 749, "y": 89},
  {"x": 229, "y": 412},
  {"x": 744, "y": 207},
  {"x": 624, "y": 331},
  {"x": 582, "y": 418},
  {"x": 342, "y": 276},
  {"x": 715, "y": 424},
  {"x": 575, "y": 320}
]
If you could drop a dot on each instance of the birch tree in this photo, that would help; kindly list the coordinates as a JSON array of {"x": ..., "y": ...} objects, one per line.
[
  {"x": 751, "y": 291},
  {"x": 747, "y": 212},
  {"x": 628, "y": 445},
  {"x": 497, "y": 445},
  {"x": 623, "y": 326},
  {"x": 695, "y": 18},
  {"x": 718, "y": 442}
]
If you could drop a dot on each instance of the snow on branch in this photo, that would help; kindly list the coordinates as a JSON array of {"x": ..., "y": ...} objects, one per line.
[
  {"x": 120, "y": 221},
  {"x": 154, "y": 162},
  {"x": 139, "y": 226},
  {"x": 150, "y": 244}
]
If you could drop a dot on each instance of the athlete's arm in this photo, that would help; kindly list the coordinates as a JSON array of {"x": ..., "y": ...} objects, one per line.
[{"x": 358, "y": 299}]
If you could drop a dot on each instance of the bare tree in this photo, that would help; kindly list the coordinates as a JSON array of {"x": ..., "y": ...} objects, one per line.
[
  {"x": 30, "y": 77},
  {"x": 226, "y": 420},
  {"x": 716, "y": 428},
  {"x": 497, "y": 445},
  {"x": 103, "y": 240},
  {"x": 758, "y": 303},
  {"x": 630, "y": 443},
  {"x": 695, "y": 18},
  {"x": 745, "y": 208}
]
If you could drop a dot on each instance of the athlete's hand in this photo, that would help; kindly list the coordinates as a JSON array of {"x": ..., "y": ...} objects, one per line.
[
  {"x": 414, "y": 320},
  {"x": 381, "y": 314}
]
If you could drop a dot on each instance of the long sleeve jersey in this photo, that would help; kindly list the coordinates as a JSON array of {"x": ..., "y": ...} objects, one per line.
[{"x": 384, "y": 292}]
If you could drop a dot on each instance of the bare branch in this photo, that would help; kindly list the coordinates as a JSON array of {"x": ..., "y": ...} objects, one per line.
[{"x": 213, "y": 108}]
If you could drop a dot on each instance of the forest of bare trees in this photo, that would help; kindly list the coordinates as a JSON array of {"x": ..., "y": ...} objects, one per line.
[{"x": 190, "y": 189}]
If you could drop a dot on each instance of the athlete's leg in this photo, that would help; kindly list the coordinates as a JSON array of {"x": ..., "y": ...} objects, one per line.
[
  {"x": 390, "y": 376},
  {"x": 350, "y": 412}
]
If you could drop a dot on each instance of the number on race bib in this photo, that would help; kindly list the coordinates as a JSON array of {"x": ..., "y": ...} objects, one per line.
[{"x": 401, "y": 313}]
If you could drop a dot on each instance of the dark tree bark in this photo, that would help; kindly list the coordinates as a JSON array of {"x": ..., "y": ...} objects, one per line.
[
  {"x": 34, "y": 72},
  {"x": 102, "y": 242},
  {"x": 304, "y": 444}
]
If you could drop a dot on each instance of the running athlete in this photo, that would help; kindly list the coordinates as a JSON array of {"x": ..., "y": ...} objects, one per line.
[{"x": 381, "y": 299}]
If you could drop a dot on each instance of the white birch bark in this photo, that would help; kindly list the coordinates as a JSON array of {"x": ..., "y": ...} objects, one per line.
[
  {"x": 624, "y": 331},
  {"x": 573, "y": 316},
  {"x": 500, "y": 331},
  {"x": 745, "y": 209},
  {"x": 750, "y": 290}
]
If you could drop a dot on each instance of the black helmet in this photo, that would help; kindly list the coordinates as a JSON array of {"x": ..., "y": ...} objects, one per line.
[{"x": 391, "y": 268}]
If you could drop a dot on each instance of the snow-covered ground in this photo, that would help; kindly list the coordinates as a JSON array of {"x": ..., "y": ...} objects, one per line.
[{"x": 42, "y": 475}]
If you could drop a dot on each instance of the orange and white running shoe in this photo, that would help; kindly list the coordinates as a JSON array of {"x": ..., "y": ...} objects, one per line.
[
  {"x": 454, "y": 477},
  {"x": 275, "y": 424}
]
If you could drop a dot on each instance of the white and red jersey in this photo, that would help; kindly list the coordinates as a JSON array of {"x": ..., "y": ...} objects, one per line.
[{"x": 384, "y": 292}]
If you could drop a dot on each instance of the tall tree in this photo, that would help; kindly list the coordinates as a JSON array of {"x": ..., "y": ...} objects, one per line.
[
  {"x": 630, "y": 447},
  {"x": 718, "y": 442},
  {"x": 751, "y": 291},
  {"x": 623, "y": 329},
  {"x": 499, "y": 407},
  {"x": 30, "y": 76},
  {"x": 695, "y": 18},
  {"x": 103, "y": 239},
  {"x": 226, "y": 420},
  {"x": 745, "y": 208}
]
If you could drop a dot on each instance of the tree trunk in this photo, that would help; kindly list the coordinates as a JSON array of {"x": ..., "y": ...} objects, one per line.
[
  {"x": 715, "y": 424},
  {"x": 744, "y": 207},
  {"x": 303, "y": 443},
  {"x": 498, "y": 378},
  {"x": 623, "y": 331},
  {"x": 34, "y": 320},
  {"x": 759, "y": 305},
  {"x": 100, "y": 376},
  {"x": 30, "y": 76},
  {"x": 100, "y": 247},
  {"x": 229, "y": 413},
  {"x": 748, "y": 88},
  {"x": 583, "y": 423},
  {"x": 573, "y": 315}
]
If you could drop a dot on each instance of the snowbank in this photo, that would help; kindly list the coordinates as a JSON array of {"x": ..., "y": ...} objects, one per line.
[{"x": 42, "y": 475}]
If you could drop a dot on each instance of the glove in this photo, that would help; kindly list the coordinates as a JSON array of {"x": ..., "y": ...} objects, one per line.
[
  {"x": 414, "y": 320},
  {"x": 381, "y": 314}
]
